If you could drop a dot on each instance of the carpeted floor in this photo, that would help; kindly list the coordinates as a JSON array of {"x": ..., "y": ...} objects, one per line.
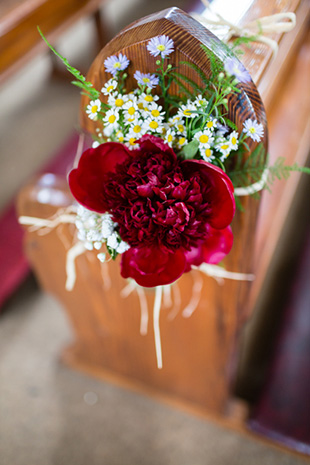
[{"x": 49, "y": 414}]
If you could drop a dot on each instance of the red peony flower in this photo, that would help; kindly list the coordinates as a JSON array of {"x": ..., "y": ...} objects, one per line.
[{"x": 173, "y": 213}]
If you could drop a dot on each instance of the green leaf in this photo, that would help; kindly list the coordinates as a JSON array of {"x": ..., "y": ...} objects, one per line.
[
  {"x": 85, "y": 85},
  {"x": 190, "y": 150}
]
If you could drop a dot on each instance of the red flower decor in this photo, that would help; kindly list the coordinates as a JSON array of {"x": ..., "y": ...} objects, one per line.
[{"x": 173, "y": 213}]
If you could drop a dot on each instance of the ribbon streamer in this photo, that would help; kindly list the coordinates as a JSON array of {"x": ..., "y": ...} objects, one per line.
[
  {"x": 277, "y": 23},
  {"x": 75, "y": 251}
]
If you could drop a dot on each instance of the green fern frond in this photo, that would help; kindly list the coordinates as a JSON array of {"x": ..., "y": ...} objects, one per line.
[
  {"x": 188, "y": 81},
  {"x": 201, "y": 74},
  {"x": 80, "y": 79}
]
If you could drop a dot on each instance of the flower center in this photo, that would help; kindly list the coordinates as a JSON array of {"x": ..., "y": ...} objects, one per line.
[
  {"x": 203, "y": 139},
  {"x": 161, "y": 47},
  {"x": 252, "y": 130},
  {"x": 94, "y": 109},
  {"x": 155, "y": 113},
  {"x": 119, "y": 102},
  {"x": 182, "y": 141},
  {"x": 208, "y": 153},
  {"x": 132, "y": 141},
  {"x": 145, "y": 80},
  {"x": 112, "y": 119},
  {"x": 187, "y": 112},
  {"x": 148, "y": 98},
  {"x": 210, "y": 124},
  {"x": 224, "y": 147},
  {"x": 117, "y": 65},
  {"x": 131, "y": 110},
  {"x": 181, "y": 127},
  {"x": 137, "y": 129},
  {"x": 153, "y": 125},
  {"x": 109, "y": 88},
  {"x": 233, "y": 140}
]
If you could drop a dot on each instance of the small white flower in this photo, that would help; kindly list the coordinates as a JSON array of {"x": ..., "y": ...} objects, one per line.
[
  {"x": 101, "y": 256},
  {"x": 181, "y": 141},
  {"x": 122, "y": 247},
  {"x": 169, "y": 137},
  {"x": 200, "y": 101},
  {"x": 146, "y": 99},
  {"x": 160, "y": 45},
  {"x": 156, "y": 111},
  {"x": 95, "y": 144},
  {"x": 97, "y": 245},
  {"x": 153, "y": 125},
  {"x": 253, "y": 129},
  {"x": 135, "y": 130},
  {"x": 117, "y": 100},
  {"x": 107, "y": 226},
  {"x": 205, "y": 138},
  {"x": 211, "y": 123},
  {"x": 109, "y": 87},
  {"x": 131, "y": 111},
  {"x": 131, "y": 143},
  {"x": 233, "y": 140},
  {"x": 112, "y": 241},
  {"x": 223, "y": 146},
  {"x": 88, "y": 245},
  {"x": 207, "y": 153},
  {"x": 180, "y": 127},
  {"x": 120, "y": 136},
  {"x": 111, "y": 118},
  {"x": 93, "y": 108},
  {"x": 187, "y": 110}
]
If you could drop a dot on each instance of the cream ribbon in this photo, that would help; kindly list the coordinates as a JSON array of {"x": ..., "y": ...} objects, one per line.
[{"x": 277, "y": 23}]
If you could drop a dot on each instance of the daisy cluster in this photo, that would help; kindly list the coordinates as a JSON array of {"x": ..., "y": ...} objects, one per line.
[
  {"x": 96, "y": 230},
  {"x": 126, "y": 117}
]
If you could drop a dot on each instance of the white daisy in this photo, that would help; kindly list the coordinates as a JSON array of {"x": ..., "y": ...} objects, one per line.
[
  {"x": 146, "y": 99},
  {"x": 117, "y": 100},
  {"x": 131, "y": 111},
  {"x": 200, "y": 101},
  {"x": 233, "y": 140},
  {"x": 223, "y": 146},
  {"x": 169, "y": 137},
  {"x": 120, "y": 136},
  {"x": 181, "y": 141},
  {"x": 109, "y": 87},
  {"x": 253, "y": 129},
  {"x": 156, "y": 111},
  {"x": 152, "y": 125},
  {"x": 211, "y": 123},
  {"x": 136, "y": 130},
  {"x": 93, "y": 108},
  {"x": 187, "y": 110},
  {"x": 205, "y": 138},
  {"x": 111, "y": 118},
  {"x": 207, "y": 153}
]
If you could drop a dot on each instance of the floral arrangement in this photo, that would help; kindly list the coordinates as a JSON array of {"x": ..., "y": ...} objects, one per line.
[{"x": 155, "y": 186}]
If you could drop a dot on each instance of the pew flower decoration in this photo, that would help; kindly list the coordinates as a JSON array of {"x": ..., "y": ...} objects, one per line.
[{"x": 155, "y": 186}]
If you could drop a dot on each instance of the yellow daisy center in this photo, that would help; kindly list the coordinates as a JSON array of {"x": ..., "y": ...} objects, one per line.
[
  {"x": 117, "y": 65},
  {"x": 208, "y": 153},
  {"x": 224, "y": 147},
  {"x": 94, "y": 109},
  {"x": 137, "y": 129},
  {"x": 130, "y": 120},
  {"x": 233, "y": 140},
  {"x": 145, "y": 80},
  {"x": 155, "y": 113},
  {"x": 182, "y": 141},
  {"x": 153, "y": 125},
  {"x": 131, "y": 110},
  {"x": 252, "y": 130},
  {"x": 181, "y": 127},
  {"x": 187, "y": 112},
  {"x": 161, "y": 47},
  {"x": 121, "y": 138},
  {"x": 119, "y": 102},
  {"x": 203, "y": 139},
  {"x": 210, "y": 124},
  {"x": 109, "y": 88},
  {"x": 132, "y": 141},
  {"x": 170, "y": 138},
  {"x": 148, "y": 98},
  {"x": 112, "y": 119}
]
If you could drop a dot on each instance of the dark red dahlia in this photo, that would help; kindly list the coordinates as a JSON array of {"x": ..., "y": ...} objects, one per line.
[{"x": 173, "y": 213}]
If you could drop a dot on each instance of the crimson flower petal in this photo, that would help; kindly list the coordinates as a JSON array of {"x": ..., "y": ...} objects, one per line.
[
  {"x": 220, "y": 191},
  {"x": 213, "y": 249},
  {"x": 86, "y": 181},
  {"x": 151, "y": 266}
]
